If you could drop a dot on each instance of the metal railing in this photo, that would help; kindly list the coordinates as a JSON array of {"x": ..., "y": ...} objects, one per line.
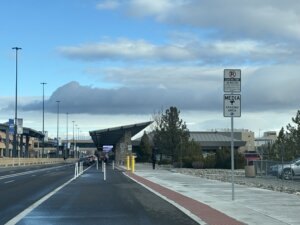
[{"x": 6, "y": 162}]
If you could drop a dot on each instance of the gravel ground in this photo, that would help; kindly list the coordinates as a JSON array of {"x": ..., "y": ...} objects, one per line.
[{"x": 266, "y": 182}]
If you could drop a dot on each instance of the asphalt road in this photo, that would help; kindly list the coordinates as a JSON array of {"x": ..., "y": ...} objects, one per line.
[
  {"x": 117, "y": 201},
  {"x": 22, "y": 186}
]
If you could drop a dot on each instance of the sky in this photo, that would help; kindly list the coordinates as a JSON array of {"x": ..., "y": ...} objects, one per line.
[{"x": 117, "y": 62}]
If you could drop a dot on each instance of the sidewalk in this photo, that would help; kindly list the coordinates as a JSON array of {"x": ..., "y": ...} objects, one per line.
[{"x": 214, "y": 198}]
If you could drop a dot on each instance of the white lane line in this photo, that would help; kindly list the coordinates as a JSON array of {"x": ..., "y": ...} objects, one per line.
[
  {"x": 22, "y": 214},
  {"x": 10, "y": 181}
]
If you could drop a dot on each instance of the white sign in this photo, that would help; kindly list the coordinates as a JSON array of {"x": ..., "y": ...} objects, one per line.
[
  {"x": 129, "y": 147},
  {"x": 232, "y": 105},
  {"x": 107, "y": 148},
  {"x": 232, "y": 80},
  {"x": 46, "y": 136},
  {"x": 19, "y": 126}
]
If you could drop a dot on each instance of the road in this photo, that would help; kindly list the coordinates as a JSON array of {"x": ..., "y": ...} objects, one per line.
[
  {"x": 22, "y": 186},
  {"x": 91, "y": 200}
]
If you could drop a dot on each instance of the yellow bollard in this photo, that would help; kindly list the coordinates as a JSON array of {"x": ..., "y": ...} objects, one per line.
[
  {"x": 132, "y": 163},
  {"x": 128, "y": 162}
]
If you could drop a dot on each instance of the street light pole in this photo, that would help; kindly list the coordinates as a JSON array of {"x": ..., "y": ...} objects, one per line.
[
  {"x": 67, "y": 136},
  {"x": 78, "y": 141},
  {"x": 57, "y": 128},
  {"x": 15, "y": 147},
  {"x": 73, "y": 140},
  {"x": 43, "y": 147}
]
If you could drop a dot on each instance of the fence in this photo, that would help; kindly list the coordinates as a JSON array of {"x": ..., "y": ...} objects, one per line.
[{"x": 269, "y": 168}]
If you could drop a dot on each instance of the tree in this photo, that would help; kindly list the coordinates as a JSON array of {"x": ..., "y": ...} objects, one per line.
[
  {"x": 293, "y": 138},
  {"x": 170, "y": 134},
  {"x": 192, "y": 154},
  {"x": 276, "y": 150},
  {"x": 223, "y": 158},
  {"x": 287, "y": 145},
  {"x": 145, "y": 148}
]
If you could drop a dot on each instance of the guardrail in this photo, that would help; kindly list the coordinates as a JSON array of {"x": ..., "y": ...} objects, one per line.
[{"x": 6, "y": 162}]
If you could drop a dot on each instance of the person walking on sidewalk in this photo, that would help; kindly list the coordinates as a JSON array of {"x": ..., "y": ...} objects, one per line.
[{"x": 153, "y": 157}]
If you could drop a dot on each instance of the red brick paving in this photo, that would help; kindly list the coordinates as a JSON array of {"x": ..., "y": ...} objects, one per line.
[{"x": 206, "y": 213}]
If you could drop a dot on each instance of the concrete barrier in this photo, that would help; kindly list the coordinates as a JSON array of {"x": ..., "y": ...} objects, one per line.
[{"x": 6, "y": 162}]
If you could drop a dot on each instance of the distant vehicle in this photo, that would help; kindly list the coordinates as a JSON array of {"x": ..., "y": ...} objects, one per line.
[
  {"x": 287, "y": 170},
  {"x": 87, "y": 161}
]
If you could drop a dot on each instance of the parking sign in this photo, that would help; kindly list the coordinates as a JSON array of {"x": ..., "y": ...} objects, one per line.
[
  {"x": 232, "y": 105},
  {"x": 232, "y": 80}
]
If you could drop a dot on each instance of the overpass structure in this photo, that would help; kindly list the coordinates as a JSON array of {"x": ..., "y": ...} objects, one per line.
[{"x": 119, "y": 137}]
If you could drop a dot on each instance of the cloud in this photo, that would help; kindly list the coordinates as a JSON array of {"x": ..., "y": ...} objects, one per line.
[
  {"x": 108, "y": 5},
  {"x": 270, "y": 88},
  {"x": 85, "y": 99},
  {"x": 193, "y": 50},
  {"x": 264, "y": 89},
  {"x": 170, "y": 77},
  {"x": 124, "y": 49},
  {"x": 231, "y": 18}
]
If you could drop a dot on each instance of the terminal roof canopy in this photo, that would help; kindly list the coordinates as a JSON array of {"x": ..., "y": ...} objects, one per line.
[{"x": 111, "y": 136}]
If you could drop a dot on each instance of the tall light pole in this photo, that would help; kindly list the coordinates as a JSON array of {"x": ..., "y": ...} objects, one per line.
[
  {"x": 15, "y": 147},
  {"x": 57, "y": 128},
  {"x": 73, "y": 139},
  {"x": 78, "y": 140},
  {"x": 43, "y": 147},
  {"x": 67, "y": 136}
]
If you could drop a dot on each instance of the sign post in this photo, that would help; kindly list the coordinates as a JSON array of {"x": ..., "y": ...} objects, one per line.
[{"x": 232, "y": 107}]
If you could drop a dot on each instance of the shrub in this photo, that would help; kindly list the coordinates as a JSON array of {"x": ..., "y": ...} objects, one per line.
[
  {"x": 210, "y": 161},
  {"x": 197, "y": 165},
  {"x": 164, "y": 162}
]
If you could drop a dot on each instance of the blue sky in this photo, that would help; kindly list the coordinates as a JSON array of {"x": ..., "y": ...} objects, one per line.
[{"x": 117, "y": 62}]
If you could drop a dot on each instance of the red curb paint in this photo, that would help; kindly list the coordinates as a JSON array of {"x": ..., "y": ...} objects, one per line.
[{"x": 206, "y": 213}]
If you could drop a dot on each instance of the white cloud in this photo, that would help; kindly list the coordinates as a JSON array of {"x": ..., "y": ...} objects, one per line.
[
  {"x": 187, "y": 51},
  {"x": 161, "y": 9},
  {"x": 231, "y": 18},
  {"x": 127, "y": 50},
  {"x": 161, "y": 76}
]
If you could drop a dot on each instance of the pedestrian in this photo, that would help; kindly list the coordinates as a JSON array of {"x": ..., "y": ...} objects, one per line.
[{"x": 153, "y": 160}]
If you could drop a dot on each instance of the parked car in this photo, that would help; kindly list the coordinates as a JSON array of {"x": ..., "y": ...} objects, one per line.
[{"x": 286, "y": 170}]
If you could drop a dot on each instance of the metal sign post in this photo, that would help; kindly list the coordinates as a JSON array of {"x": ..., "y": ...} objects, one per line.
[
  {"x": 232, "y": 160},
  {"x": 232, "y": 107}
]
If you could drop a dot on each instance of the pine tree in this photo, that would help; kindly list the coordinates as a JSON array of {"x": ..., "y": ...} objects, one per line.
[
  {"x": 170, "y": 134},
  {"x": 277, "y": 148},
  {"x": 145, "y": 148},
  {"x": 293, "y": 139}
]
